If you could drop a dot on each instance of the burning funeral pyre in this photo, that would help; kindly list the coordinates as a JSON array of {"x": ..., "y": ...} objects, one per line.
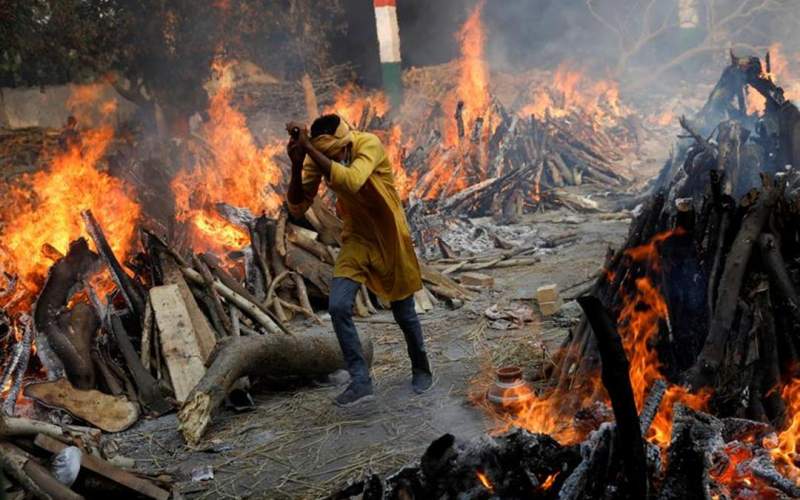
[
  {"x": 689, "y": 336},
  {"x": 133, "y": 286}
]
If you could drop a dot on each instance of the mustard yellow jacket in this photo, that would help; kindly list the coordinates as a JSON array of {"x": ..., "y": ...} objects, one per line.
[{"x": 376, "y": 241}]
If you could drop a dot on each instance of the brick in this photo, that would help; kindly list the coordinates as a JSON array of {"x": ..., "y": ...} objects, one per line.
[
  {"x": 547, "y": 293},
  {"x": 550, "y": 308}
]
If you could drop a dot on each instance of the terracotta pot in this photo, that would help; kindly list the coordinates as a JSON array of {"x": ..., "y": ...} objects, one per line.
[{"x": 508, "y": 389}]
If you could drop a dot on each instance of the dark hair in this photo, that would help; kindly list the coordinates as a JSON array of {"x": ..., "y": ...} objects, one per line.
[{"x": 325, "y": 124}]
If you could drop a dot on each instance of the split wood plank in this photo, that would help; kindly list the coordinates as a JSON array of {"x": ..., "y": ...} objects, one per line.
[
  {"x": 185, "y": 361},
  {"x": 105, "y": 469},
  {"x": 201, "y": 329}
]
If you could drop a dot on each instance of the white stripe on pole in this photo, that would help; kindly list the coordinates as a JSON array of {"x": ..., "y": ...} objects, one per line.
[{"x": 388, "y": 33}]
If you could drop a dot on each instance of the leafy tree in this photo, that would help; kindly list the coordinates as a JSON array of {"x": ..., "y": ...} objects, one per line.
[{"x": 159, "y": 52}]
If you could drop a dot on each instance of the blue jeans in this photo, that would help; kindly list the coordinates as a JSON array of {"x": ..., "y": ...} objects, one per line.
[{"x": 340, "y": 307}]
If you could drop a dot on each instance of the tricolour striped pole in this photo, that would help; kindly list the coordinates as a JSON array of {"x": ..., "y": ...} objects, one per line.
[{"x": 389, "y": 45}]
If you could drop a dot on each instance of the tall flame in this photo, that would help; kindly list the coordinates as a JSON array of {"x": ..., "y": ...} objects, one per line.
[
  {"x": 237, "y": 172},
  {"x": 472, "y": 93},
  {"x": 639, "y": 323},
  {"x": 44, "y": 208}
]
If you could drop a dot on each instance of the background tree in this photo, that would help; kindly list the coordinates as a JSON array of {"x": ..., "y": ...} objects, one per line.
[{"x": 158, "y": 53}]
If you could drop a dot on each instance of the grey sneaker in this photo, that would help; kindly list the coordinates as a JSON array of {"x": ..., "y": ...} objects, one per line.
[
  {"x": 421, "y": 381},
  {"x": 354, "y": 394}
]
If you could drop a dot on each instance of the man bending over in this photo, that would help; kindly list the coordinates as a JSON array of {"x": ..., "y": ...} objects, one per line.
[{"x": 376, "y": 241}]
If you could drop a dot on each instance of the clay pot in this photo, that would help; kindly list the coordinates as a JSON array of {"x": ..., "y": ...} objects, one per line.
[{"x": 509, "y": 390}]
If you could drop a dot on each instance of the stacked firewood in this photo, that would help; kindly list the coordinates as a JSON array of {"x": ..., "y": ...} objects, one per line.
[{"x": 510, "y": 164}]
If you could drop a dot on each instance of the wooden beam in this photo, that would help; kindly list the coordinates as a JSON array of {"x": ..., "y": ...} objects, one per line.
[{"x": 182, "y": 353}]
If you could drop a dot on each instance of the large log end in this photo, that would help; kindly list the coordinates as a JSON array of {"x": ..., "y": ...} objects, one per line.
[{"x": 194, "y": 417}]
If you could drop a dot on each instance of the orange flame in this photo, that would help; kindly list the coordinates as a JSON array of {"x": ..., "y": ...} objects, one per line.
[
  {"x": 236, "y": 172},
  {"x": 485, "y": 481},
  {"x": 639, "y": 322},
  {"x": 549, "y": 481},
  {"x": 351, "y": 102},
  {"x": 571, "y": 91},
  {"x": 643, "y": 312},
  {"x": 446, "y": 174},
  {"x": 44, "y": 208},
  {"x": 785, "y": 451}
]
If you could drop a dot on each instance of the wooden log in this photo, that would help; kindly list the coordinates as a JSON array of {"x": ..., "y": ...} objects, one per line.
[
  {"x": 112, "y": 383},
  {"x": 21, "y": 426},
  {"x": 145, "y": 351},
  {"x": 617, "y": 382},
  {"x": 109, "y": 413},
  {"x": 105, "y": 469},
  {"x": 182, "y": 354},
  {"x": 33, "y": 476},
  {"x": 306, "y": 354},
  {"x": 317, "y": 272},
  {"x": 302, "y": 298},
  {"x": 16, "y": 372},
  {"x": 70, "y": 353},
  {"x": 769, "y": 374},
  {"x": 706, "y": 367},
  {"x": 651, "y": 405},
  {"x": 280, "y": 234},
  {"x": 216, "y": 302},
  {"x": 778, "y": 274},
  {"x": 300, "y": 237},
  {"x": 252, "y": 308},
  {"x": 327, "y": 224},
  {"x": 146, "y": 386},
  {"x": 200, "y": 329},
  {"x": 126, "y": 286}
]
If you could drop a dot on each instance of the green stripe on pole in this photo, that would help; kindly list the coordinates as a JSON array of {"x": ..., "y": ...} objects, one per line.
[{"x": 392, "y": 74}]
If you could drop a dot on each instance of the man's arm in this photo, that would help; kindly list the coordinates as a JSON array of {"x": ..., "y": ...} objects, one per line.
[
  {"x": 304, "y": 181},
  {"x": 297, "y": 155}
]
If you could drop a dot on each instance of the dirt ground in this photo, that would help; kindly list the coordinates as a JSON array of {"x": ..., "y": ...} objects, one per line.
[{"x": 296, "y": 444}]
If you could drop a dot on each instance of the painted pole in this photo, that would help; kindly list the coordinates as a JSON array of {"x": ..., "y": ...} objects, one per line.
[{"x": 389, "y": 45}]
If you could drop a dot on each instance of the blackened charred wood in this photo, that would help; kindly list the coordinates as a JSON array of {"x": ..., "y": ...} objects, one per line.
[
  {"x": 21, "y": 367},
  {"x": 730, "y": 285},
  {"x": 618, "y": 384},
  {"x": 127, "y": 287},
  {"x": 778, "y": 274},
  {"x": 651, "y": 405},
  {"x": 459, "y": 117},
  {"x": 764, "y": 469},
  {"x": 769, "y": 372},
  {"x": 112, "y": 384},
  {"x": 253, "y": 277},
  {"x": 216, "y": 302},
  {"x": 147, "y": 387},
  {"x": 52, "y": 321},
  {"x": 694, "y": 434},
  {"x": 719, "y": 249},
  {"x": 584, "y": 481}
]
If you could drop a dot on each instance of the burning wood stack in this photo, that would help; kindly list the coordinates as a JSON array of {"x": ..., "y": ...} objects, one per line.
[{"x": 689, "y": 337}]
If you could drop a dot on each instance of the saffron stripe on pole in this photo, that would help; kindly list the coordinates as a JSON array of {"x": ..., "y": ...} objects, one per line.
[{"x": 385, "y": 3}]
